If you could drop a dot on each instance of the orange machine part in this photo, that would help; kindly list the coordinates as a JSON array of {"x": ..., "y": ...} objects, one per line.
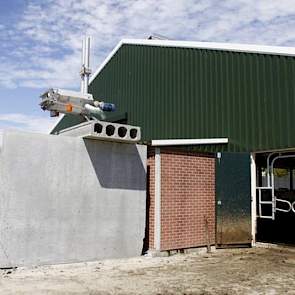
[{"x": 69, "y": 108}]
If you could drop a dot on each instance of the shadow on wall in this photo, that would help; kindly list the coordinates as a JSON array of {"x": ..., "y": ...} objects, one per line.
[
  {"x": 117, "y": 165},
  {"x": 146, "y": 246}
]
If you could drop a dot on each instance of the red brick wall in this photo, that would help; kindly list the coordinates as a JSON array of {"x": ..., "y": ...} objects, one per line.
[{"x": 187, "y": 198}]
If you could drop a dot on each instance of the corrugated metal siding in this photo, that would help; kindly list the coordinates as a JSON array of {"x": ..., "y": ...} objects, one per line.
[
  {"x": 66, "y": 122},
  {"x": 198, "y": 93}
]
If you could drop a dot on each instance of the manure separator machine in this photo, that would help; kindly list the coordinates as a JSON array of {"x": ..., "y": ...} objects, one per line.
[{"x": 82, "y": 103}]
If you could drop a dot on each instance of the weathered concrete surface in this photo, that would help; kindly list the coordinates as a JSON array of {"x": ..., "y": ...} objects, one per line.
[
  {"x": 224, "y": 272},
  {"x": 66, "y": 199}
]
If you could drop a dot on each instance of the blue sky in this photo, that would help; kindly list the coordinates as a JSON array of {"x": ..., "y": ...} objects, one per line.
[{"x": 40, "y": 41}]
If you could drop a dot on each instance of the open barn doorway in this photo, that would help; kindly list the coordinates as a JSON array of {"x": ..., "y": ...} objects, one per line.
[{"x": 275, "y": 197}]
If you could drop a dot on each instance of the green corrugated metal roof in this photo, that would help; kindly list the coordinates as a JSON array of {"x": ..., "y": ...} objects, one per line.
[{"x": 174, "y": 92}]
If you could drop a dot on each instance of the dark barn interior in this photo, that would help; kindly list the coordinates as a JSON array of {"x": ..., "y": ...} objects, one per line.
[{"x": 278, "y": 229}]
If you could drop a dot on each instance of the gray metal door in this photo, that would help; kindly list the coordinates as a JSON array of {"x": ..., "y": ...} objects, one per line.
[{"x": 233, "y": 199}]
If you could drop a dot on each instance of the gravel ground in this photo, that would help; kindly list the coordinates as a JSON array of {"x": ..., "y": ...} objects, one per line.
[{"x": 231, "y": 271}]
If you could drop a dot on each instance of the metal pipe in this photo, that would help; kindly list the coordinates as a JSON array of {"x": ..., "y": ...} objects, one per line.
[
  {"x": 273, "y": 183},
  {"x": 87, "y": 52},
  {"x": 268, "y": 165},
  {"x": 85, "y": 68},
  {"x": 87, "y": 60},
  {"x": 286, "y": 202},
  {"x": 280, "y": 157},
  {"x": 268, "y": 168},
  {"x": 82, "y": 64},
  {"x": 93, "y": 110}
]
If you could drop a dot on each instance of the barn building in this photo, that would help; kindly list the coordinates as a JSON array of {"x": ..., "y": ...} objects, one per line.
[{"x": 218, "y": 121}]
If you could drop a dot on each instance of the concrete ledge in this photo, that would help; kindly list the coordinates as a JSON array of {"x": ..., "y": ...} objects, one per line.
[
  {"x": 155, "y": 253},
  {"x": 105, "y": 131},
  {"x": 274, "y": 246},
  {"x": 166, "y": 253},
  {"x": 199, "y": 250}
]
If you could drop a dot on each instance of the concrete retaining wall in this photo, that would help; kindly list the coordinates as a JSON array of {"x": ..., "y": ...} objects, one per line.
[{"x": 65, "y": 199}]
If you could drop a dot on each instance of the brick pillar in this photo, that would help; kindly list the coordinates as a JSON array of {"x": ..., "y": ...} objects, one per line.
[{"x": 151, "y": 197}]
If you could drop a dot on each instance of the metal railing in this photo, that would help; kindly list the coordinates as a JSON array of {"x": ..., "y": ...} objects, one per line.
[{"x": 273, "y": 201}]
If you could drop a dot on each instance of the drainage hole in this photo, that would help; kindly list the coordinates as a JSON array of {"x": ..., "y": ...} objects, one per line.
[
  {"x": 122, "y": 131},
  {"x": 133, "y": 133},
  {"x": 98, "y": 128},
  {"x": 110, "y": 130}
]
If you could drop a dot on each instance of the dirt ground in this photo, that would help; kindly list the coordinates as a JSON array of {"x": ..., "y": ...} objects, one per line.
[{"x": 235, "y": 271}]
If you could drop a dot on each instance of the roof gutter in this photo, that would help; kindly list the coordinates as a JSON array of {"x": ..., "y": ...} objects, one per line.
[{"x": 199, "y": 141}]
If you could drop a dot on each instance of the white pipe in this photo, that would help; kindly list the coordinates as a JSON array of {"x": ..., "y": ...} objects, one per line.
[
  {"x": 93, "y": 110},
  {"x": 85, "y": 71},
  {"x": 86, "y": 63},
  {"x": 82, "y": 80},
  {"x": 87, "y": 52},
  {"x": 269, "y": 184},
  {"x": 273, "y": 182},
  {"x": 82, "y": 65},
  {"x": 86, "y": 81},
  {"x": 83, "y": 51},
  {"x": 268, "y": 168}
]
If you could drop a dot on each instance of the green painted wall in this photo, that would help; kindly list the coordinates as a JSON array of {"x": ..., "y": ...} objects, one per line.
[{"x": 199, "y": 93}]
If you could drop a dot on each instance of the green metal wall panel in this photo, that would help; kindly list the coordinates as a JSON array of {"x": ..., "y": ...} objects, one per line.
[
  {"x": 68, "y": 121},
  {"x": 198, "y": 93}
]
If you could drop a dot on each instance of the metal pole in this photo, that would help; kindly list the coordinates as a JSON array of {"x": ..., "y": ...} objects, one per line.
[
  {"x": 82, "y": 66},
  {"x": 85, "y": 68}
]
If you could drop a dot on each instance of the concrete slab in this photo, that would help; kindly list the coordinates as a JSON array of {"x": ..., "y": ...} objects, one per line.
[{"x": 66, "y": 199}]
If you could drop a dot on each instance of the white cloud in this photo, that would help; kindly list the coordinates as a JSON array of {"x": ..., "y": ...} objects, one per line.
[
  {"x": 27, "y": 122},
  {"x": 43, "y": 48}
]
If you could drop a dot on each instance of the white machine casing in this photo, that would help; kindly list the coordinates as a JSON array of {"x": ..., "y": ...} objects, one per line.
[{"x": 65, "y": 101}]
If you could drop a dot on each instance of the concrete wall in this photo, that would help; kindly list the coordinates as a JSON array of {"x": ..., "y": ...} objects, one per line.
[{"x": 65, "y": 199}]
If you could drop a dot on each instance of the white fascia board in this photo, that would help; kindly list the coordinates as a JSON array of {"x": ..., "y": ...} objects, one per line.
[
  {"x": 248, "y": 48},
  {"x": 112, "y": 53},
  {"x": 171, "y": 142}
]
